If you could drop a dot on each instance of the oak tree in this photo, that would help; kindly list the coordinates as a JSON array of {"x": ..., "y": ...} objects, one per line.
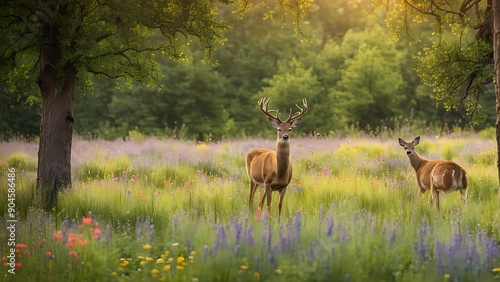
[{"x": 57, "y": 44}]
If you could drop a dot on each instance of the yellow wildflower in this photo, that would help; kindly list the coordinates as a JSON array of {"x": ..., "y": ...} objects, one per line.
[
  {"x": 244, "y": 267},
  {"x": 150, "y": 259},
  {"x": 142, "y": 263},
  {"x": 180, "y": 259},
  {"x": 446, "y": 276},
  {"x": 257, "y": 275},
  {"x": 193, "y": 253},
  {"x": 496, "y": 269},
  {"x": 114, "y": 273},
  {"x": 278, "y": 271},
  {"x": 175, "y": 244},
  {"x": 147, "y": 247},
  {"x": 180, "y": 267},
  {"x": 155, "y": 272},
  {"x": 166, "y": 267},
  {"x": 123, "y": 262},
  {"x": 170, "y": 259},
  {"x": 160, "y": 260}
]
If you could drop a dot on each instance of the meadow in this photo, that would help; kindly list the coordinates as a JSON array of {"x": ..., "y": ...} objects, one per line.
[{"x": 170, "y": 210}]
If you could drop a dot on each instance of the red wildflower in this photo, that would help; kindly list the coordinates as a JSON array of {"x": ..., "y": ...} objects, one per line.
[
  {"x": 95, "y": 232},
  {"x": 48, "y": 254},
  {"x": 87, "y": 220},
  {"x": 19, "y": 265},
  {"x": 74, "y": 254},
  {"x": 58, "y": 236},
  {"x": 21, "y": 246}
]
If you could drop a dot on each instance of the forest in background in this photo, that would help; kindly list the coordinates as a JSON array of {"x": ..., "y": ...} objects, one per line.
[{"x": 348, "y": 66}]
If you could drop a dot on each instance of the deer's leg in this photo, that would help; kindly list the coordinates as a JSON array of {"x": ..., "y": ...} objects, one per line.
[
  {"x": 421, "y": 193},
  {"x": 280, "y": 201},
  {"x": 268, "y": 195},
  {"x": 253, "y": 189},
  {"x": 463, "y": 195},
  {"x": 435, "y": 194}
]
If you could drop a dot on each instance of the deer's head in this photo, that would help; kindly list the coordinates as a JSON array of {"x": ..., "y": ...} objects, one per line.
[
  {"x": 284, "y": 128},
  {"x": 409, "y": 147}
]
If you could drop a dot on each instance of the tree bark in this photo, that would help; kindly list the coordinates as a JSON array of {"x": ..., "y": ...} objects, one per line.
[
  {"x": 57, "y": 85},
  {"x": 496, "y": 59}
]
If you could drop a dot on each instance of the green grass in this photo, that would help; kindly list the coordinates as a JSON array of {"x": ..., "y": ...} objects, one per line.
[{"x": 351, "y": 212}]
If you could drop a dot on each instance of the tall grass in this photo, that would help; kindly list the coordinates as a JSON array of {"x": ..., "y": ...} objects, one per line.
[{"x": 351, "y": 212}]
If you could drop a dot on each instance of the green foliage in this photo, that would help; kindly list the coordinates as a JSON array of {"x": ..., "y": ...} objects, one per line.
[
  {"x": 368, "y": 92},
  {"x": 452, "y": 67},
  {"x": 21, "y": 162}
]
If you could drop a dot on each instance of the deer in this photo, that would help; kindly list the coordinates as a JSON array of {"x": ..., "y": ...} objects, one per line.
[
  {"x": 438, "y": 176},
  {"x": 272, "y": 170}
]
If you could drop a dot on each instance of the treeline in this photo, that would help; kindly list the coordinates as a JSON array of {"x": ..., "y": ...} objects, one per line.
[{"x": 347, "y": 65}]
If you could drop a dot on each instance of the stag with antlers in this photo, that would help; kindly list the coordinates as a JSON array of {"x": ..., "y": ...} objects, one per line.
[{"x": 272, "y": 170}]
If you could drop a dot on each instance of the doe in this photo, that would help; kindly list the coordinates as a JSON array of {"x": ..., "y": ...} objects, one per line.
[{"x": 439, "y": 176}]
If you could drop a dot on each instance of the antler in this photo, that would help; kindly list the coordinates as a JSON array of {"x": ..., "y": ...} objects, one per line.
[
  {"x": 303, "y": 110},
  {"x": 263, "y": 103}
]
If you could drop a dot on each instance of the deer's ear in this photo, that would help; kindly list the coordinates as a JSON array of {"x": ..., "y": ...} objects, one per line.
[
  {"x": 402, "y": 142},
  {"x": 296, "y": 122},
  {"x": 416, "y": 141},
  {"x": 273, "y": 122}
]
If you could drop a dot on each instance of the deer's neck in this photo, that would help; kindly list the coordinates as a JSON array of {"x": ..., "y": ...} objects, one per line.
[
  {"x": 282, "y": 158},
  {"x": 417, "y": 161}
]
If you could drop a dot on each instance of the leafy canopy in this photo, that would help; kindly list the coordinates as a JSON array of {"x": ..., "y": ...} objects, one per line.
[{"x": 116, "y": 39}]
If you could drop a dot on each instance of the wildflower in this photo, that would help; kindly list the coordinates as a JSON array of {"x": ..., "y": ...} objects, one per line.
[
  {"x": 58, "y": 236},
  {"x": 142, "y": 263},
  {"x": 147, "y": 247},
  {"x": 149, "y": 259},
  {"x": 96, "y": 232},
  {"x": 175, "y": 245},
  {"x": 256, "y": 275},
  {"x": 18, "y": 265},
  {"x": 180, "y": 259},
  {"x": 195, "y": 279},
  {"x": 244, "y": 267},
  {"x": 155, "y": 272},
  {"x": 166, "y": 267},
  {"x": 193, "y": 253},
  {"x": 278, "y": 271},
  {"x": 496, "y": 269},
  {"x": 446, "y": 276},
  {"x": 86, "y": 220},
  {"x": 48, "y": 254},
  {"x": 74, "y": 254},
  {"x": 123, "y": 262},
  {"x": 82, "y": 243},
  {"x": 21, "y": 246},
  {"x": 179, "y": 267},
  {"x": 114, "y": 273},
  {"x": 160, "y": 260},
  {"x": 170, "y": 259}
]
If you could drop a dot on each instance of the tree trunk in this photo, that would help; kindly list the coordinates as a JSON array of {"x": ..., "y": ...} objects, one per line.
[
  {"x": 496, "y": 59},
  {"x": 57, "y": 85}
]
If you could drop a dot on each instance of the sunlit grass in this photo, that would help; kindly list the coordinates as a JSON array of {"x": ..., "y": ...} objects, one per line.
[{"x": 351, "y": 212}]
